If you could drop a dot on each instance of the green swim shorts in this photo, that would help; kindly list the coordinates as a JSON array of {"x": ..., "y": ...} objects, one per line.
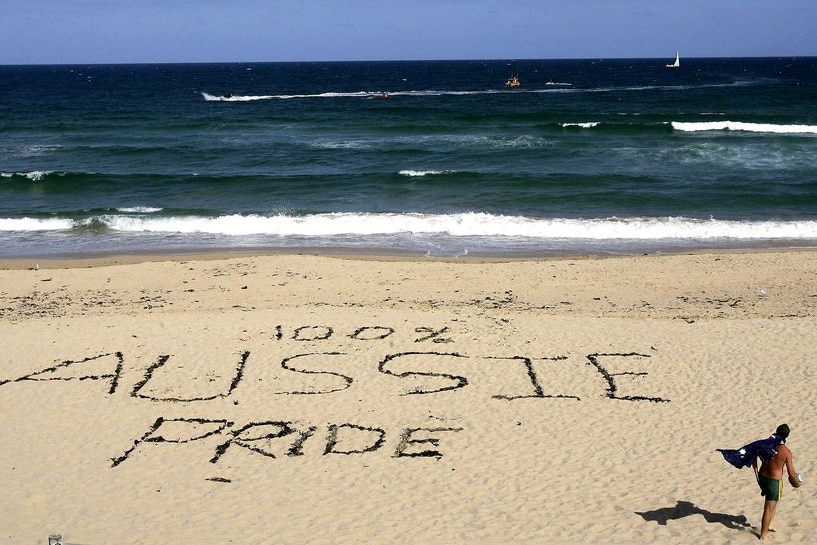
[{"x": 772, "y": 489}]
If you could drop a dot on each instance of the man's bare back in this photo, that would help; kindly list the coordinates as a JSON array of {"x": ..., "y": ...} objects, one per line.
[{"x": 773, "y": 467}]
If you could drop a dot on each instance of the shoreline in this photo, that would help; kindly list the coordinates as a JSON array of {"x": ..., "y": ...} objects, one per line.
[{"x": 88, "y": 259}]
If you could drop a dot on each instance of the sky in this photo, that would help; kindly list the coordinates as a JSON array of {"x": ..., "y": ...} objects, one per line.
[{"x": 159, "y": 31}]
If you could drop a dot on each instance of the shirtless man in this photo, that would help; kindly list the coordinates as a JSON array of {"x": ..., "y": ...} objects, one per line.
[{"x": 770, "y": 479}]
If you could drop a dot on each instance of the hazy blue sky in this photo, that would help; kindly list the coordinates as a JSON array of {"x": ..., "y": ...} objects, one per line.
[{"x": 109, "y": 31}]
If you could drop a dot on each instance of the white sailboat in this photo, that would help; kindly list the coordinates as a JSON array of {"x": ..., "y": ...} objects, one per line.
[{"x": 677, "y": 62}]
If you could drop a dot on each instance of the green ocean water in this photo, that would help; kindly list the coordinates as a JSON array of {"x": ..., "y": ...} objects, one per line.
[{"x": 436, "y": 158}]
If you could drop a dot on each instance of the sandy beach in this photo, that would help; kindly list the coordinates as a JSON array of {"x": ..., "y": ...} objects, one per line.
[{"x": 300, "y": 399}]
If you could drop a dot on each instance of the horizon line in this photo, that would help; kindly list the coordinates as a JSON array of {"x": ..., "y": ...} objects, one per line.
[{"x": 508, "y": 59}]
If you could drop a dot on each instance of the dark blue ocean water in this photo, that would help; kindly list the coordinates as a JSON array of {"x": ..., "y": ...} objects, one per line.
[{"x": 436, "y": 158}]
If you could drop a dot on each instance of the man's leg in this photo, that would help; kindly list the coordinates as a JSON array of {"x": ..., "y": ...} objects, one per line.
[{"x": 769, "y": 508}]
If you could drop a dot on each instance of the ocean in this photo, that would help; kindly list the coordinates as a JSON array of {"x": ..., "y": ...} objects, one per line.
[{"x": 427, "y": 158}]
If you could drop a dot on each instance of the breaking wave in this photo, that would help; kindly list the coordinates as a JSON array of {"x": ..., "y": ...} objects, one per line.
[
  {"x": 454, "y": 225},
  {"x": 744, "y": 127}
]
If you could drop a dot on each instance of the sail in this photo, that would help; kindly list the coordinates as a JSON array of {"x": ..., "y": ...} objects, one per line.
[{"x": 677, "y": 62}]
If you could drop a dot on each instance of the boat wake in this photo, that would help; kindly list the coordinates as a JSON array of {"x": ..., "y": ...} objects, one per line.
[{"x": 379, "y": 94}]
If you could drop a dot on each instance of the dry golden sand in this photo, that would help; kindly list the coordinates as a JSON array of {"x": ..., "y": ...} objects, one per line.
[{"x": 305, "y": 399}]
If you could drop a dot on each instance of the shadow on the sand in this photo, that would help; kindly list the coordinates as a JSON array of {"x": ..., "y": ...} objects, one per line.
[{"x": 687, "y": 509}]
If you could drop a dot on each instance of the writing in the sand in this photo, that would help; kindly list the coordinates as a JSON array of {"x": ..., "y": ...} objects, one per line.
[
  {"x": 286, "y": 370},
  {"x": 276, "y": 438},
  {"x": 108, "y": 367}
]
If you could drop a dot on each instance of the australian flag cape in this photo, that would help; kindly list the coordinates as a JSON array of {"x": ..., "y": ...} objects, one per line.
[{"x": 744, "y": 456}]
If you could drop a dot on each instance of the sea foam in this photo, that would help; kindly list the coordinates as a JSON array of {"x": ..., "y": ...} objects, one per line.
[
  {"x": 34, "y": 175},
  {"x": 587, "y": 125},
  {"x": 35, "y": 224},
  {"x": 421, "y": 173},
  {"x": 453, "y": 225},
  {"x": 744, "y": 127},
  {"x": 140, "y": 209}
]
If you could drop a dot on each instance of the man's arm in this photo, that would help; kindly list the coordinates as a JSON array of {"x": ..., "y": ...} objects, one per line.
[{"x": 794, "y": 478}]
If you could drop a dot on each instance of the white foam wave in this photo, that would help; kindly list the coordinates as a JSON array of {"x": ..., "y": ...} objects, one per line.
[
  {"x": 139, "y": 210},
  {"x": 468, "y": 224},
  {"x": 35, "y": 224},
  {"x": 454, "y": 225},
  {"x": 34, "y": 175},
  {"x": 744, "y": 127},
  {"x": 587, "y": 125},
  {"x": 421, "y": 173}
]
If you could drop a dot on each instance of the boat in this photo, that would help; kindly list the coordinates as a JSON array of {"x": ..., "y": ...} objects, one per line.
[
  {"x": 513, "y": 81},
  {"x": 677, "y": 62}
]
